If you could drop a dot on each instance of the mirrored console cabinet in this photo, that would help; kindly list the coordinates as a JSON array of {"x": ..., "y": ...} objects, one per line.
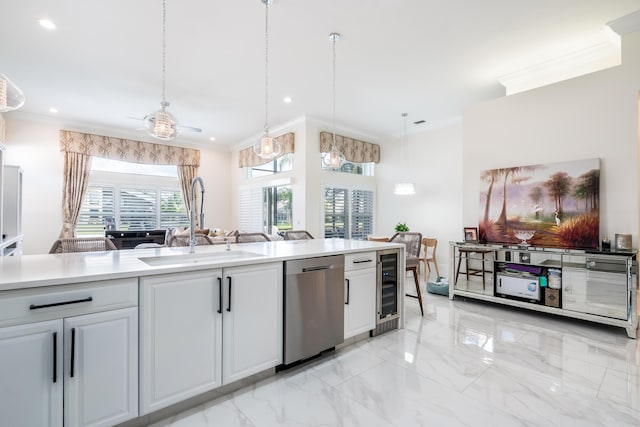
[{"x": 589, "y": 285}]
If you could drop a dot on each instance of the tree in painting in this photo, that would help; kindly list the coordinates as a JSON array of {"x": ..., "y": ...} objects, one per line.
[
  {"x": 557, "y": 203},
  {"x": 536, "y": 195},
  {"x": 559, "y": 185}
]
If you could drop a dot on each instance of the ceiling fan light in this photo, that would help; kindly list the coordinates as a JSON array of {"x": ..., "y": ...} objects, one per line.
[
  {"x": 404, "y": 189},
  {"x": 162, "y": 125},
  {"x": 11, "y": 98},
  {"x": 267, "y": 147}
]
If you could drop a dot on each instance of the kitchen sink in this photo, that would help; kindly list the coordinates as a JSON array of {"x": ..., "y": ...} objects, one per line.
[{"x": 190, "y": 259}]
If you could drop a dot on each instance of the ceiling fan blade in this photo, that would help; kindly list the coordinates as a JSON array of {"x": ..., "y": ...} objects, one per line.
[
  {"x": 191, "y": 128},
  {"x": 136, "y": 118}
]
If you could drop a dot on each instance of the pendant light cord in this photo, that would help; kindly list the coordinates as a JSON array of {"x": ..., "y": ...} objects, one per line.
[
  {"x": 164, "y": 50},
  {"x": 266, "y": 69},
  {"x": 333, "y": 143}
]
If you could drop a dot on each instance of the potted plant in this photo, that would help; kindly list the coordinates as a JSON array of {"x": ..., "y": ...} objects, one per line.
[{"x": 401, "y": 227}]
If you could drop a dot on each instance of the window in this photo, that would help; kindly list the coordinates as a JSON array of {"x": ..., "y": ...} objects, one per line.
[
  {"x": 112, "y": 202},
  {"x": 277, "y": 207},
  {"x": 364, "y": 169},
  {"x": 283, "y": 163},
  {"x": 262, "y": 208},
  {"x": 348, "y": 213}
]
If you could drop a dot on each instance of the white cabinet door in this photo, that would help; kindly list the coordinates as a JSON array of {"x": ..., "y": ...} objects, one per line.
[
  {"x": 31, "y": 374},
  {"x": 101, "y": 368},
  {"x": 360, "y": 301},
  {"x": 252, "y": 320},
  {"x": 180, "y": 346}
]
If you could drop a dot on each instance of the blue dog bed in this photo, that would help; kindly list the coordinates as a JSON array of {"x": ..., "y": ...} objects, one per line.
[{"x": 439, "y": 287}]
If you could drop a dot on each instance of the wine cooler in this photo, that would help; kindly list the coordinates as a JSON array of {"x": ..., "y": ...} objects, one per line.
[{"x": 387, "y": 291}]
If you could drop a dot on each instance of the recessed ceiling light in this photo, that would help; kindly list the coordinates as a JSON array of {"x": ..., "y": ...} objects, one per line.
[
  {"x": 47, "y": 23},
  {"x": 212, "y": 138},
  {"x": 287, "y": 100},
  {"x": 53, "y": 110}
]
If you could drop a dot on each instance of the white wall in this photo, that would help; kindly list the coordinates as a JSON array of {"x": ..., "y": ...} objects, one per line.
[
  {"x": 587, "y": 117},
  {"x": 435, "y": 166},
  {"x": 33, "y": 144},
  {"x": 34, "y": 147},
  {"x": 307, "y": 177}
]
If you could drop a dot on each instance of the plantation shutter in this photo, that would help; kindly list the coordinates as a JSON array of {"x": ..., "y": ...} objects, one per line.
[
  {"x": 250, "y": 210},
  {"x": 98, "y": 208},
  {"x": 361, "y": 214},
  {"x": 335, "y": 212},
  {"x": 138, "y": 209},
  {"x": 173, "y": 212}
]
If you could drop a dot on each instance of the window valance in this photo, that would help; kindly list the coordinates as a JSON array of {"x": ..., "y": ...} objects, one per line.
[
  {"x": 248, "y": 157},
  {"x": 127, "y": 149},
  {"x": 352, "y": 149}
]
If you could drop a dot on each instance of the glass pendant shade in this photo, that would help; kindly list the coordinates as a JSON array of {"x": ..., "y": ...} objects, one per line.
[
  {"x": 162, "y": 125},
  {"x": 11, "y": 98},
  {"x": 333, "y": 159},
  {"x": 267, "y": 147},
  {"x": 404, "y": 189}
]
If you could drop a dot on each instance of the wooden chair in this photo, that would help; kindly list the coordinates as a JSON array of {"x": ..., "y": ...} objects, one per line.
[
  {"x": 82, "y": 244},
  {"x": 377, "y": 239},
  {"x": 252, "y": 237},
  {"x": 297, "y": 235},
  {"x": 181, "y": 240},
  {"x": 412, "y": 242},
  {"x": 429, "y": 246}
]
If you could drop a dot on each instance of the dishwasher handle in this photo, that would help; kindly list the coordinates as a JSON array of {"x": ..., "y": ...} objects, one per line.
[{"x": 319, "y": 268}]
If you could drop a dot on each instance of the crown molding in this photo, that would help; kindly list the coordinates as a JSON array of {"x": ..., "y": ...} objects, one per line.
[
  {"x": 584, "y": 61},
  {"x": 626, "y": 24}
]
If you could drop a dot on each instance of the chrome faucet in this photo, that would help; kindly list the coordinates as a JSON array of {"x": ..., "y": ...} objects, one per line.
[{"x": 192, "y": 225}]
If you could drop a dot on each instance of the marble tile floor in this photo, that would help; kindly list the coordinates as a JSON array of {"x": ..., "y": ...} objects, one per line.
[{"x": 464, "y": 363}]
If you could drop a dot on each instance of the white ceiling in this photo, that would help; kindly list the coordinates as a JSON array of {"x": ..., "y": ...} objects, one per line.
[{"x": 429, "y": 58}]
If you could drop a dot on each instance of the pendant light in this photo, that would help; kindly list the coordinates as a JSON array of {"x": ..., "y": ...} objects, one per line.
[
  {"x": 11, "y": 98},
  {"x": 334, "y": 158},
  {"x": 406, "y": 188},
  {"x": 162, "y": 124},
  {"x": 267, "y": 147}
]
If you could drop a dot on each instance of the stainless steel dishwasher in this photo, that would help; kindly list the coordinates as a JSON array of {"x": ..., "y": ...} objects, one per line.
[{"x": 313, "y": 306}]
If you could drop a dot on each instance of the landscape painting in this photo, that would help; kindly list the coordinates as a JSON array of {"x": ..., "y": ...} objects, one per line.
[{"x": 554, "y": 204}]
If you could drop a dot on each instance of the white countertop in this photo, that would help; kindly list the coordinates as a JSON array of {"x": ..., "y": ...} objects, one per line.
[{"x": 29, "y": 271}]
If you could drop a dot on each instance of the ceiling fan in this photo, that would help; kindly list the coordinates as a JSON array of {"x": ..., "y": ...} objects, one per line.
[
  {"x": 150, "y": 122},
  {"x": 162, "y": 124}
]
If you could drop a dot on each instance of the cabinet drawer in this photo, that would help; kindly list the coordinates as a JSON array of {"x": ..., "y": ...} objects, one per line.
[
  {"x": 55, "y": 302},
  {"x": 360, "y": 260}
]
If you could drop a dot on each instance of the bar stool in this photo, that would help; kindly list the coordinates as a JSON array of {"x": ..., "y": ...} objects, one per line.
[{"x": 469, "y": 271}]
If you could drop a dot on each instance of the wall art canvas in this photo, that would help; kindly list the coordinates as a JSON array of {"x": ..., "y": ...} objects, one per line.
[{"x": 554, "y": 204}]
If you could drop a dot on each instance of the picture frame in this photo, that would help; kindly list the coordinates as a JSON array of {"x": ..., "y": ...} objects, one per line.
[
  {"x": 471, "y": 234},
  {"x": 623, "y": 242}
]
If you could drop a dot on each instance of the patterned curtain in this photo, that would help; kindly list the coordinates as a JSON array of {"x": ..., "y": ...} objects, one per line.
[
  {"x": 127, "y": 149},
  {"x": 78, "y": 148},
  {"x": 74, "y": 185},
  {"x": 247, "y": 157},
  {"x": 352, "y": 149},
  {"x": 186, "y": 174}
]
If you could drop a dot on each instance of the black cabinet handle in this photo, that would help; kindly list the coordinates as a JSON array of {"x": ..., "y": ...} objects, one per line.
[
  {"x": 220, "y": 295},
  {"x": 73, "y": 350},
  {"x": 229, "y": 306},
  {"x": 362, "y": 261},
  {"x": 55, "y": 357},
  {"x": 348, "y": 291},
  {"x": 55, "y": 304}
]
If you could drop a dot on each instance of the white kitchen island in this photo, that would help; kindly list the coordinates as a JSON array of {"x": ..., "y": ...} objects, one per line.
[{"x": 132, "y": 334}]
